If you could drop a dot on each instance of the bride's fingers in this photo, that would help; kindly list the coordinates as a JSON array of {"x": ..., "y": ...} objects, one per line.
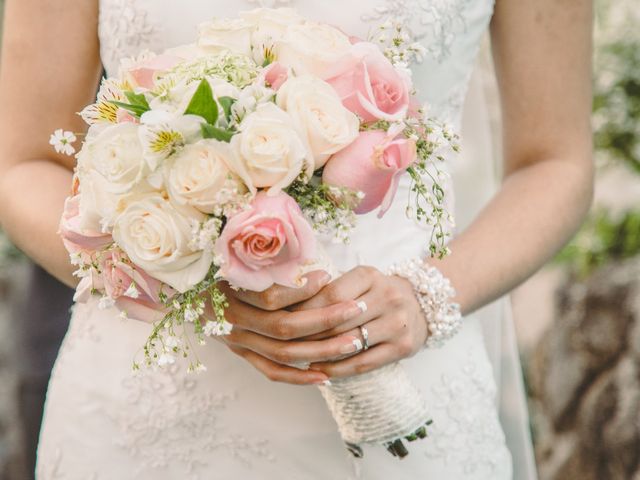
[
  {"x": 280, "y": 373},
  {"x": 294, "y": 353},
  {"x": 278, "y": 297},
  {"x": 378, "y": 331},
  {"x": 363, "y": 362},
  {"x": 284, "y": 325},
  {"x": 371, "y": 307},
  {"x": 353, "y": 284}
]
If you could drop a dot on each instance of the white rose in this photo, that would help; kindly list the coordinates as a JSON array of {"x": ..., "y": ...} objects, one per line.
[
  {"x": 226, "y": 34},
  {"x": 157, "y": 236},
  {"x": 319, "y": 115},
  {"x": 115, "y": 154},
  {"x": 270, "y": 26},
  {"x": 269, "y": 151},
  {"x": 313, "y": 48},
  {"x": 199, "y": 176},
  {"x": 97, "y": 206}
]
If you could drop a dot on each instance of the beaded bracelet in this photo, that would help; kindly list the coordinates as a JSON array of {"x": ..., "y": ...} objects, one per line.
[{"x": 434, "y": 293}]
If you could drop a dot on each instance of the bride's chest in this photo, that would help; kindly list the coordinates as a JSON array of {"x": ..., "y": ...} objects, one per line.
[{"x": 128, "y": 26}]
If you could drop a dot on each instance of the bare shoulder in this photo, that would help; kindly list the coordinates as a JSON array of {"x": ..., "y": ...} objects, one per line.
[{"x": 50, "y": 70}]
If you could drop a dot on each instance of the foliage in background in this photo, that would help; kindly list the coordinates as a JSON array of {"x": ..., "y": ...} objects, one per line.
[
  {"x": 616, "y": 121},
  {"x": 603, "y": 238}
]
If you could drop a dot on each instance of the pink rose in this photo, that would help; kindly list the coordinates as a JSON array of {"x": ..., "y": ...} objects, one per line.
[
  {"x": 132, "y": 289},
  {"x": 371, "y": 87},
  {"x": 145, "y": 73},
  {"x": 75, "y": 238},
  {"x": 268, "y": 243},
  {"x": 372, "y": 164},
  {"x": 275, "y": 75}
]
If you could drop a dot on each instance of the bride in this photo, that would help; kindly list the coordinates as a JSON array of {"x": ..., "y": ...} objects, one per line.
[{"x": 254, "y": 414}]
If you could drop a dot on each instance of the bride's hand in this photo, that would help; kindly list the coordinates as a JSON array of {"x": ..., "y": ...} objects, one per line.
[
  {"x": 393, "y": 319},
  {"x": 263, "y": 331}
]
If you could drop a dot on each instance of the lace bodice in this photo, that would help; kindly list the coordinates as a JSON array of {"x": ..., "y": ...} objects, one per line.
[{"x": 449, "y": 30}]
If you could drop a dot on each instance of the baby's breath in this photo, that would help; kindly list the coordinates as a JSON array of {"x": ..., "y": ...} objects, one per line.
[
  {"x": 328, "y": 208},
  {"x": 397, "y": 44},
  {"x": 239, "y": 70},
  {"x": 171, "y": 338},
  {"x": 427, "y": 197}
]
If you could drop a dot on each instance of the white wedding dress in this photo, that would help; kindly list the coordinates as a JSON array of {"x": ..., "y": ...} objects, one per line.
[{"x": 101, "y": 423}]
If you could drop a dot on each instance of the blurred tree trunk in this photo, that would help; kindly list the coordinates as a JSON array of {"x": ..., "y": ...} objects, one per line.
[{"x": 585, "y": 380}]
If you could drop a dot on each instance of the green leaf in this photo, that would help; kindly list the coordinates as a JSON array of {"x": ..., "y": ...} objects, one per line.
[
  {"x": 203, "y": 103},
  {"x": 209, "y": 131},
  {"x": 226, "y": 103},
  {"x": 137, "y": 110},
  {"x": 137, "y": 99}
]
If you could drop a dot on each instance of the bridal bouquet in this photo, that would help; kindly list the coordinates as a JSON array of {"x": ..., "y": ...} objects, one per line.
[{"x": 226, "y": 160}]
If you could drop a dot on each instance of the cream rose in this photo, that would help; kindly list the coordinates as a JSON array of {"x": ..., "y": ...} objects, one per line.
[
  {"x": 157, "y": 237},
  {"x": 270, "y": 25},
  {"x": 226, "y": 34},
  {"x": 116, "y": 155},
  {"x": 314, "y": 48},
  {"x": 199, "y": 176},
  {"x": 268, "y": 150},
  {"x": 318, "y": 113}
]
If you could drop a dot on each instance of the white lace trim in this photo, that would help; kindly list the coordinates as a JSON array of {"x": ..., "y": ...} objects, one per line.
[
  {"x": 434, "y": 23},
  {"x": 160, "y": 428},
  {"x": 468, "y": 435},
  {"x": 125, "y": 30}
]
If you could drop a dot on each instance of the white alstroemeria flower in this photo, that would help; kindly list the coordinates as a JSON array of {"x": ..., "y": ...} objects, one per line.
[
  {"x": 163, "y": 133},
  {"x": 249, "y": 99},
  {"x": 63, "y": 141},
  {"x": 104, "y": 111},
  {"x": 270, "y": 26}
]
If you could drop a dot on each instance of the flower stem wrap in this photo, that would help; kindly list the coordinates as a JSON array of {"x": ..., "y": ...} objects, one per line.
[{"x": 379, "y": 407}]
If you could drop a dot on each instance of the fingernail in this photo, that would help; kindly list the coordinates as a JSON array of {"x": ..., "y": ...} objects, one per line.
[
  {"x": 362, "y": 305},
  {"x": 352, "y": 312},
  {"x": 300, "y": 365},
  {"x": 351, "y": 347},
  {"x": 325, "y": 383}
]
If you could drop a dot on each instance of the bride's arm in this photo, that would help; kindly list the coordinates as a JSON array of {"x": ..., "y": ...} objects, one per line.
[
  {"x": 542, "y": 55},
  {"x": 50, "y": 70}
]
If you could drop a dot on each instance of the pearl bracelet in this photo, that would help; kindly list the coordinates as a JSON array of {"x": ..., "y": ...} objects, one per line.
[{"x": 434, "y": 293}]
